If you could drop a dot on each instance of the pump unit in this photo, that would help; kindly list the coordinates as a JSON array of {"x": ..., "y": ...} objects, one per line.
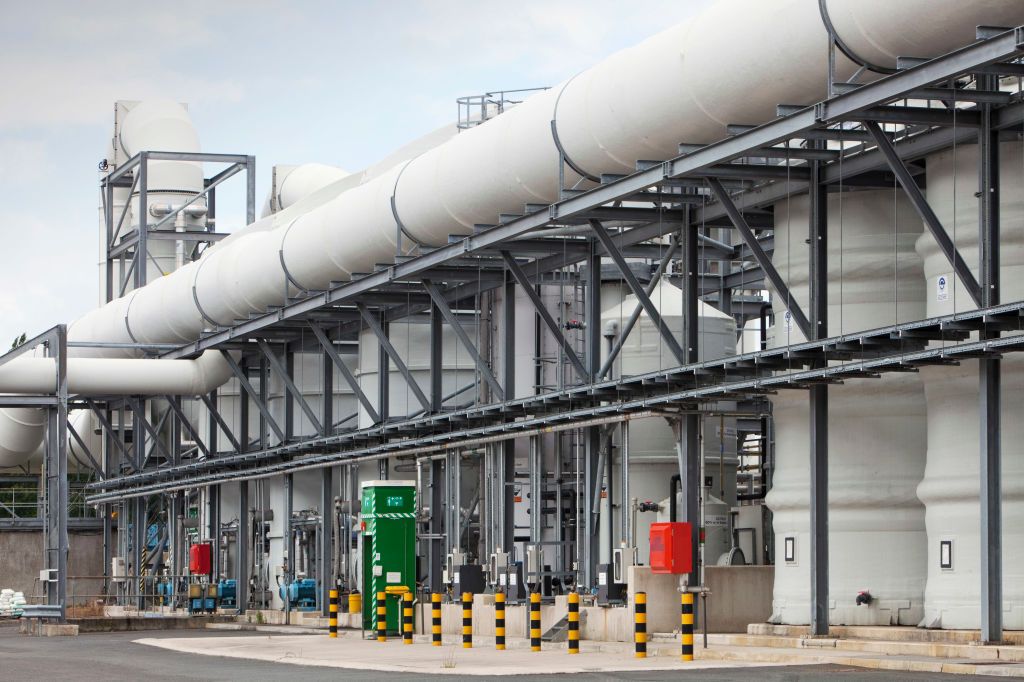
[{"x": 300, "y": 593}]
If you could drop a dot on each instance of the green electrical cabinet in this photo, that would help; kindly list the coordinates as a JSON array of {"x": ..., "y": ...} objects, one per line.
[{"x": 389, "y": 546}]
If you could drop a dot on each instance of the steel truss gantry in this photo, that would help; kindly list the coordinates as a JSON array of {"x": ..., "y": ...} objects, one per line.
[{"x": 885, "y": 126}]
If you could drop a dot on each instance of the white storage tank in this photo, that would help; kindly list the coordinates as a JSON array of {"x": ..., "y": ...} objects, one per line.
[
  {"x": 951, "y": 483},
  {"x": 653, "y": 453},
  {"x": 877, "y": 434}
]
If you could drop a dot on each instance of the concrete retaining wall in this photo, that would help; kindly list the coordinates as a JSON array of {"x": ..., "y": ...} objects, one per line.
[{"x": 21, "y": 558}]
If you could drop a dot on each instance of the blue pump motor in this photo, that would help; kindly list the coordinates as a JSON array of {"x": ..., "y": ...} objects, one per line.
[{"x": 300, "y": 594}]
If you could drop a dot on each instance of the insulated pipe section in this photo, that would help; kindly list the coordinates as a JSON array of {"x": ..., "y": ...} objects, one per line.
[{"x": 105, "y": 376}]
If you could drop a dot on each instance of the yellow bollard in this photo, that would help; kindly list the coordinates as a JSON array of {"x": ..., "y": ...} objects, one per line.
[
  {"x": 467, "y": 620},
  {"x": 574, "y": 623},
  {"x": 535, "y": 621},
  {"x": 382, "y": 616},
  {"x": 640, "y": 624},
  {"x": 332, "y": 624},
  {"x": 407, "y": 618},
  {"x": 435, "y": 617},
  {"x": 686, "y": 622},
  {"x": 499, "y": 621}
]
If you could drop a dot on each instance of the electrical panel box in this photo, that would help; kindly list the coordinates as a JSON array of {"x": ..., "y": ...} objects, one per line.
[
  {"x": 671, "y": 549},
  {"x": 608, "y": 591},
  {"x": 200, "y": 558},
  {"x": 468, "y": 578},
  {"x": 622, "y": 559},
  {"x": 389, "y": 547}
]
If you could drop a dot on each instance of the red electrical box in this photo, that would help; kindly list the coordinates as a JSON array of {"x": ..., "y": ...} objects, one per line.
[
  {"x": 200, "y": 559},
  {"x": 671, "y": 548}
]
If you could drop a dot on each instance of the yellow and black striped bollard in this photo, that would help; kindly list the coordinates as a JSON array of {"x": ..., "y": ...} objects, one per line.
[
  {"x": 407, "y": 618},
  {"x": 535, "y": 621},
  {"x": 686, "y": 622},
  {"x": 382, "y": 616},
  {"x": 640, "y": 624},
  {"x": 435, "y": 619},
  {"x": 332, "y": 624},
  {"x": 467, "y": 620},
  {"x": 574, "y": 623},
  {"x": 499, "y": 621}
]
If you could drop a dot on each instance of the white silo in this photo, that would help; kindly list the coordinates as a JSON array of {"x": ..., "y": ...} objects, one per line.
[
  {"x": 951, "y": 483},
  {"x": 876, "y": 427}
]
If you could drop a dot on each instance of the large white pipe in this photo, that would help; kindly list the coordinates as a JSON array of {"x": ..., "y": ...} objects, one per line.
[
  {"x": 732, "y": 64},
  {"x": 106, "y": 376}
]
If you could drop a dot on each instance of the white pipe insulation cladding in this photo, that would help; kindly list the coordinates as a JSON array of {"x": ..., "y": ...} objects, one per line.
[
  {"x": 107, "y": 376},
  {"x": 732, "y": 64}
]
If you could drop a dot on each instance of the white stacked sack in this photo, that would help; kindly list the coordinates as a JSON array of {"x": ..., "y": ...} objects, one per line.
[
  {"x": 11, "y": 603},
  {"x": 6, "y": 596}
]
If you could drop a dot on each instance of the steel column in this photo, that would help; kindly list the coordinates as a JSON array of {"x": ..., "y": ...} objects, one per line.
[
  {"x": 289, "y": 567},
  {"x": 326, "y": 568},
  {"x": 587, "y": 554},
  {"x": 818, "y": 296},
  {"x": 242, "y": 548},
  {"x": 990, "y": 377},
  {"x": 508, "y": 380},
  {"x": 55, "y": 535}
]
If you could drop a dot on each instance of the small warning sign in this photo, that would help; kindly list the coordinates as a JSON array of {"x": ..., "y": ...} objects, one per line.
[{"x": 942, "y": 287}]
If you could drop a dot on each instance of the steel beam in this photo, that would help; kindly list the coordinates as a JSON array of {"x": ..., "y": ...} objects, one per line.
[
  {"x": 920, "y": 203},
  {"x": 247, "y": 387},
  {"x": 184, "y": 421},
  {"x": 634, "y": 316},
  {"x": 780, "y": 286},
  {"x": 385, "y": 343},
  {"x": 652, "y": 311},
  {"x": 218, "y": 419},
  {"x": 545, "y": 315},
  {"x": 285, "y": 377},
  {"x": 346, "y": 373},
  {"x": 481, "y": 365}
]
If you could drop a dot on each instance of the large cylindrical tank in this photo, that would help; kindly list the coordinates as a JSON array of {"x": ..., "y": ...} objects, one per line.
[
  {"x": 653, "y": 457},
  {"x": 877, "y": 434},
  {"x": 951, "y": 483}
]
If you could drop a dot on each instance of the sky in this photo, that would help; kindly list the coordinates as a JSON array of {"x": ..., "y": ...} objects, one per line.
[{"x": 341, "y": 82}]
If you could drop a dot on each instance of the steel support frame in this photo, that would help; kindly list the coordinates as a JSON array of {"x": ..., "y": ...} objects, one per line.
[{"x": 992, "y": 50}]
